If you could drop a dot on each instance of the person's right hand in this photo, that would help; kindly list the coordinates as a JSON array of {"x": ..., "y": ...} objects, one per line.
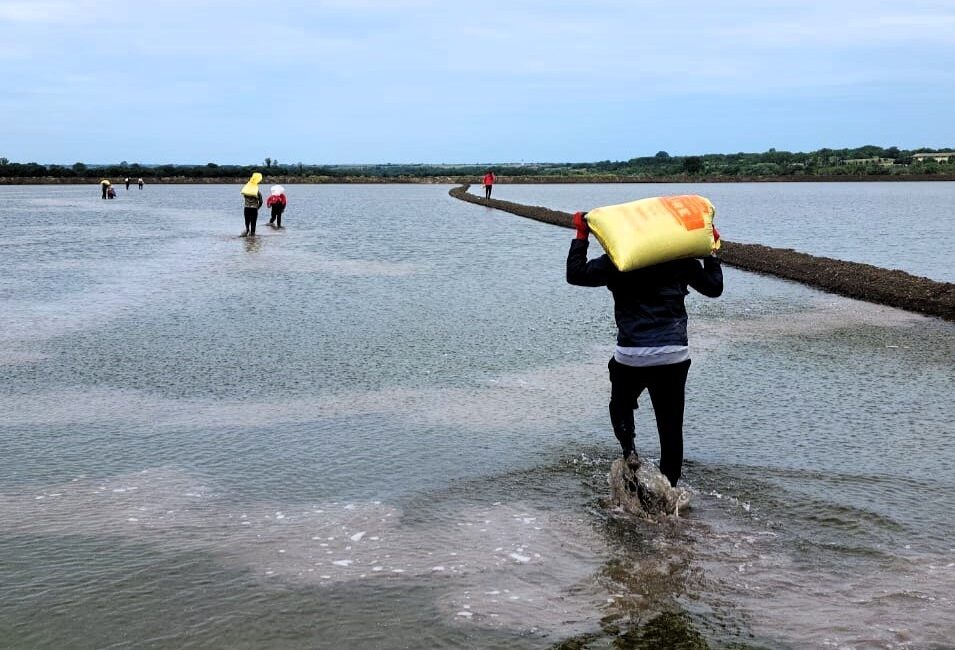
[
  {"x": 580, "y": 223},
  {"x": 716, "y": 242}
]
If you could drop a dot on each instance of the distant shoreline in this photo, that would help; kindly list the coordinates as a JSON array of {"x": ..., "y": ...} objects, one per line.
[{"x": 501, "y": 180}]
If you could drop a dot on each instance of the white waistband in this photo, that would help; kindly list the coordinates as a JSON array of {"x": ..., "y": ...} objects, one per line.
[{"x": 652, "y": 356}]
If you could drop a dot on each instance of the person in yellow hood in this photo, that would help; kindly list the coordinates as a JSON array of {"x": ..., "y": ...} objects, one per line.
[{"x": 253, "y": 201}]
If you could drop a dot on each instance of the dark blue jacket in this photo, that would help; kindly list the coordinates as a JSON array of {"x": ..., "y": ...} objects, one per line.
[{"x": 648, "y": 302}]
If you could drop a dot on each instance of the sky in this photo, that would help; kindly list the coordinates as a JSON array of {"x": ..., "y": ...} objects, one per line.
[{"x": 443, "y": 81}]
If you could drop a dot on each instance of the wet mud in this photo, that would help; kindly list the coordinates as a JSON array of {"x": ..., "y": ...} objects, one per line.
[{"x": 874, "y": 284}]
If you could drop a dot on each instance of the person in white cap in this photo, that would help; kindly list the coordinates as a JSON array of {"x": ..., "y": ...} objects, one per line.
[{"x": 277, "y": 201}]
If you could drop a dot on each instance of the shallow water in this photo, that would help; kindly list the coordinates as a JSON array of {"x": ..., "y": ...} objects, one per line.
[
  {"x": 898, "y": 225},
  {"x": 384, "y": 426}
]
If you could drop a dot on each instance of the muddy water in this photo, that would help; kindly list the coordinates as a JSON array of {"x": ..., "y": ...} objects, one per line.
[{"x": 384, "y": 426}]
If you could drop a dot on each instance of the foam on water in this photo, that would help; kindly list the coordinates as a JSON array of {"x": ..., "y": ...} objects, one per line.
[
  {"x": 19, "y": 357},
  {"x": 296, "y": 262},
  {"x": 904, "y": 600},
  {"x": 117, "y": 293},
  {"x": 491, "y": 404},
  {"x": 821, "y": 315},
  {"x": 508, "y": 565}
]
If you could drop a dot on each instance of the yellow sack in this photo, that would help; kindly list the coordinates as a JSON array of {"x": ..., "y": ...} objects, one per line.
[
  {"x": 252, "y": 187},
  {"x": 659, "y": 229}
]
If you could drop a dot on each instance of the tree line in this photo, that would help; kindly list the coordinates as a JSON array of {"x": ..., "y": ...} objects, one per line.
[{"x": 868, "y": 160}]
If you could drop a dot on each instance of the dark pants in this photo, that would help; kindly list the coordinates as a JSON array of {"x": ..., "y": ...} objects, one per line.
[
  {"x": 277, "y": 211},
  {"x": 251, "y": 216},
  {"x": 667, "y": 386},
  {"x": 104, "y": 191},
  {"x": 487, "y": 191}
]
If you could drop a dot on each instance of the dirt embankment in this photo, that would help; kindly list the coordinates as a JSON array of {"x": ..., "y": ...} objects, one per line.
[{"x": 852, "y": 279}]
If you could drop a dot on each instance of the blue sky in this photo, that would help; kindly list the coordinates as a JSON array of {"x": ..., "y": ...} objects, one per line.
[{"x": 376, "y": 81}]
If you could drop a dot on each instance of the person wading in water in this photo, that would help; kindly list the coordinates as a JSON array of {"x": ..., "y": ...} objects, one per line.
[{"x": 652, "y": 350}]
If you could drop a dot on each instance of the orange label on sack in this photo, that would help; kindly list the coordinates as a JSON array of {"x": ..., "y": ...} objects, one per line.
[{"x": 687, "y": 210}]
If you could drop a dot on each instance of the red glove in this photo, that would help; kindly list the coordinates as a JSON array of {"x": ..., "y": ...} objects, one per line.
[
  {"x": 716, "y": 235},
  {"x": 580, "y": 223}
]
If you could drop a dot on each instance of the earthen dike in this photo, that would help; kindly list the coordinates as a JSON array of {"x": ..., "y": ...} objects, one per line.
[{"x": 851, "y": 279}]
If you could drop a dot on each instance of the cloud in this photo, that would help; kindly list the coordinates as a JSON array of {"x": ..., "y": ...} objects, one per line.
[
  {"x": 844, "y": 31},
  {"x": 392, "y": 72},
  {"x": 45, "y": 12},
  {"x": 32, "y": 12}
]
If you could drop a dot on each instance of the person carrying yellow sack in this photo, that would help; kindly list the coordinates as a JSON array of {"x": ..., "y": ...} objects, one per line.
[
  {"x": 652, "y": 350},
  {"x": 253, "y": 201}
]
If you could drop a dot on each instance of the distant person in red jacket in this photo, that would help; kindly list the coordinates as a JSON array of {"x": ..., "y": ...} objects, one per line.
[
  {"x": 277, "y": 201},
  {"x": 488, "y": 183}
]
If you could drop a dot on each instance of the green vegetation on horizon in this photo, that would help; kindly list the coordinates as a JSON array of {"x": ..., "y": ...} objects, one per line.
[{"x": 861, "y": 161}]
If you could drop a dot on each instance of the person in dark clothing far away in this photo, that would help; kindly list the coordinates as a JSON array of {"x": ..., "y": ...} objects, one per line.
[
  {"x": 652, "y": 350},
  {"x": 489, "y": 179}
]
